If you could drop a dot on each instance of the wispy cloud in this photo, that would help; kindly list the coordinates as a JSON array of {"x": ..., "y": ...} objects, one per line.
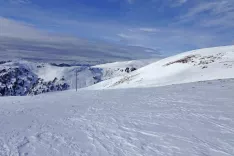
[
  {"x": 122, "y": 35},
  {"x": 21, "y": 39},
  {"x": 21, "y": 30},
  {"x": 216, "y": 13},
  {"x": 20, "y": 1},
  {"x": 182, "y": 1},
  {"x": 12, "y": 28},
  {"x": 177, "y": 3},
  {"x": 152, "y": 30},
  {"x": 130, "y": 1},
  {"x": 170, "y": 40}
]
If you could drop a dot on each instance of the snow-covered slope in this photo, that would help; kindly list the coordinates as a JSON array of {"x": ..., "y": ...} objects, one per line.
[
  {"x": 181, "y": 120},
  {"x": 111, "y": 70},
  {"x": 192, "y": 66}
]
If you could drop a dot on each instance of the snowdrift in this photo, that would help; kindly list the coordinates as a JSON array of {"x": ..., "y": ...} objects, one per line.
[{"x": 192, "y": 66}]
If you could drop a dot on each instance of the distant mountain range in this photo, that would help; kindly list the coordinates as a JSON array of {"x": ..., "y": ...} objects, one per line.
[{"x": 21, "y": 77}]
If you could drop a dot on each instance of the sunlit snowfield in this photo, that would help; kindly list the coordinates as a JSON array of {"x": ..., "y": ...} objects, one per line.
[{"x": 178, "y": 120}]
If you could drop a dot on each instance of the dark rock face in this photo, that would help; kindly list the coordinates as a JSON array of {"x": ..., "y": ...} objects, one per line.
[
  {"x": 97, "y": 74},
  {"x": 128, "y": 70},
  {"x": 51, "y": 86},
  {"x": 133, "y": 69},
  {"x": 19, "y": 81},
  {"x": 3, "y": 62},
  {"x": 61, "y": 65},
  {"x": 16, "y": 81}
]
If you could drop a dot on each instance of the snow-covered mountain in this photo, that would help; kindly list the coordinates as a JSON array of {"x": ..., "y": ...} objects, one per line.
[
  {"x": 111, "y": 70},
  {"x": 20, "y": 77},
  {"x": 192, "y": 66}
]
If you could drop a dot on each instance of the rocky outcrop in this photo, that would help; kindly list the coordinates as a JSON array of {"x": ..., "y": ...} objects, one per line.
[{"x": 19, "y": 81}]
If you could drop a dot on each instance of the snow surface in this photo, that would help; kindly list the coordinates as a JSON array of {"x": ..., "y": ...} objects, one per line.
[
  {"x": 192, "y": 66},
  {"x": 195, "y": 119}
]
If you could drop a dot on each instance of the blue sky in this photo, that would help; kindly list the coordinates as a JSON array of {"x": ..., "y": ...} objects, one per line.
[{"x": 171, "y": 26}]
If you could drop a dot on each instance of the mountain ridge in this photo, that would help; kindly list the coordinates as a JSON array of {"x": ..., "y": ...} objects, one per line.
[{"x": 197, "y": 65}]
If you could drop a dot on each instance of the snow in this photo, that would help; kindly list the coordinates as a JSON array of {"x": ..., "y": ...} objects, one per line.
[
  {"x": 198, "y": 65},
  {"x": 192, "y": 119},
  {"x": 115, "y": 69}
]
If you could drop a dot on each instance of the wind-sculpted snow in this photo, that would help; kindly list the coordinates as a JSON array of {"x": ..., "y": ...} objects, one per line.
[{"x": 194, "y": 119}]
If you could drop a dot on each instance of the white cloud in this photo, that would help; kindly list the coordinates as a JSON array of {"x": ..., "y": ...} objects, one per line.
[
  {"x": 130, "y": 1},
  {"x": 19, "y": 1},
  {"x": 176, "y": 3},
  {"x": 21, "y": 30},
  {"x": 12, "y": 28},
  {"x": 182, "y": 1},
  {"x": 125, "y": 36},
  {"x": 170, "y": 39},
  {"x": 216, "y": 13},
  {"x": 153, "y": 30}
]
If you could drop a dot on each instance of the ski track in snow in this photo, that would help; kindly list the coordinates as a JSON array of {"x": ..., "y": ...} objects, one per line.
[{"x": 194, "y": 119}]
